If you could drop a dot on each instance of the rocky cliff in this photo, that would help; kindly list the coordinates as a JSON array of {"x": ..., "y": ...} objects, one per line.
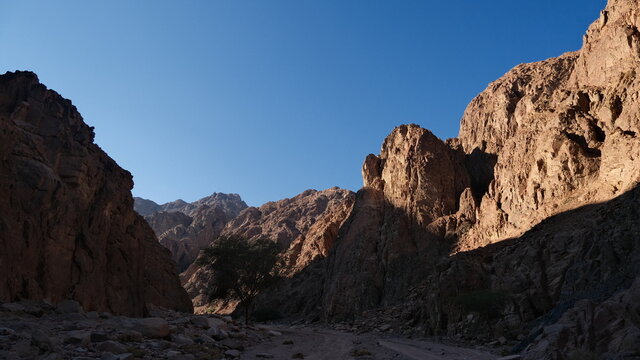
[
  {"x": 538, "y": 150},
  {"x": 305, "y": 226},
  {"x": 186, "y": 228},
  {"x": 67, "y": 225}
]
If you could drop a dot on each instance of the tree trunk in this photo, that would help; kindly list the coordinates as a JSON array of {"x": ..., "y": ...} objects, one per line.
[{"x": 247, "y": 305}]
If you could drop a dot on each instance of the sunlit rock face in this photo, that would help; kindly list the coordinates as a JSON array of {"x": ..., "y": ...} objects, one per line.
[
  {"x": 67, "y": 225},
  {"x": 546, "y": 165}
]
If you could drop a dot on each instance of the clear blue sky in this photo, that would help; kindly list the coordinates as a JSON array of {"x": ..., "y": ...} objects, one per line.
[{"x": 269, "y": 98}]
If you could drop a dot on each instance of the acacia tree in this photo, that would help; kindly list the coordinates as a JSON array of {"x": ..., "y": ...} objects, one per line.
[{"x": 241, "y": 268}]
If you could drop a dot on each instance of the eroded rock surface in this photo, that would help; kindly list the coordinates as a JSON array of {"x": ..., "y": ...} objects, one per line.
[
  {"x": 67, "y": 225},
  {"x": 186, "y": 228},
  {"x": 306, "y": 226},
  {"x": 547, "y": 166}
]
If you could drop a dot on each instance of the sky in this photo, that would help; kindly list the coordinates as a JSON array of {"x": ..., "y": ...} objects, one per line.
[{"x": 269, "y": 98}]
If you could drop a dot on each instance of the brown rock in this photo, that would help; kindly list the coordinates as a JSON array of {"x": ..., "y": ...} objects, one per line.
[
  {"x": 66, "y": 220},
  {"x": 305, "y": 225},
  {"x": 186, "y": 228}
]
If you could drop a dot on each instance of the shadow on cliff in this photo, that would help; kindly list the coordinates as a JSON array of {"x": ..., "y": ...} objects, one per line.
[{"x": 589, "y": 253}]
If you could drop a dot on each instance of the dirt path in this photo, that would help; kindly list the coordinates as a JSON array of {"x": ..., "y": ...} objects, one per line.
[{"x": 324, "y": 344}]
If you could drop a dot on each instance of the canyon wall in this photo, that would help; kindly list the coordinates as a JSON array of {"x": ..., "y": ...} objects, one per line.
[{"x": 67, "y": 225}]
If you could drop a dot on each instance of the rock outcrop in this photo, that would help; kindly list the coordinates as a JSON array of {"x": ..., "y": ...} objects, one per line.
[
  {"x": 186, "y": 228},
  {"x": 538, "y": 150},
  {"x": 305, "y": 226},
  {"x": 564, "y": 131},
  {"x": 67, "y": 225},
  {"x": 396, "y": 225}
]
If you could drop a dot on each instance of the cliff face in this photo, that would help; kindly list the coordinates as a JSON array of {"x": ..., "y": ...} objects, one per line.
[
  {"x": 186, "y": 228},
  {"x": 543, "y": 145},
  {"x": 564, "y": 131},
  {"x": 305, "y": 226},
  {"x": 67, "y": 225},
  {"x": 394, "y": 228}
]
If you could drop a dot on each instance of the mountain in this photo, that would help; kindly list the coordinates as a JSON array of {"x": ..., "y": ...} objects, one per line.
[
  {"x": 524, "y": 227},
  {"x": 186, "y": 228},
  {"x": 305, "y": 225},
  {"x": 67, "y": 225},
  {"x": 531, "y": 208}
]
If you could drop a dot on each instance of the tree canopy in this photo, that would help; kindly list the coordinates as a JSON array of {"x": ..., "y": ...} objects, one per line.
[{"x": 241, "y": 268}]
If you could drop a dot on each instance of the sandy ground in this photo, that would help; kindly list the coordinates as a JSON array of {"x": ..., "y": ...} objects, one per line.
[{"x": 323, "y": 344}]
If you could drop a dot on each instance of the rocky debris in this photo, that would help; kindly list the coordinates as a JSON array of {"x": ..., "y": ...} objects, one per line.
[
  {"x": 305, "y": 225},
  {"x": 186, "y": 228},
  {"x": 606, "y": 330},
  {"x": 170, "y": 335},
  {"x": 67, "y": 224}
]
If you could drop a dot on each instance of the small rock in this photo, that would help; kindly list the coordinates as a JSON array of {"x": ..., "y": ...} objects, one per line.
[
  {"x": 200, "y": 321},
  {"x": 13, "y": 307},
  {"x": 112, "y": 347},
  {"x": 7, "y": 332},
  {"x": 41, "y": 340},
  {"x": 78, "y": 337},
  {"x": 69, "y": 307},
  {"x": 232, "y": 353},
  {"x": 98, "y": 336},
  {"x": 110, "y": 356},
  {"x": 152, "y": 327},
  {"x": 384, "y": 327},
  {"x": 181, "y": 339},
  {"x": 264, "y": 355},
  {"x": 502, "y": 340},
  {"x": 93, "y": 315},
  {"x": 204, "y": 339},
  {"x": 213, "y": 321},
  {"x": 274, "y": 333},
  {"x": 131, "y": 336}
]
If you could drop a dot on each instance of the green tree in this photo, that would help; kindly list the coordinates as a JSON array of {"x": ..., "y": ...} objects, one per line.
[{"x": 242, "y": 268}]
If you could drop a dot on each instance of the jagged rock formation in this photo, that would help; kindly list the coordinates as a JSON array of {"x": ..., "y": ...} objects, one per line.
[
  {"x": 305, "y": 225},
  {"x": 67, "y": 225},
  {"x": 186, "y": 228},
  {"x": 544, "y": 140},
  {"x": 565, "y": 131}
]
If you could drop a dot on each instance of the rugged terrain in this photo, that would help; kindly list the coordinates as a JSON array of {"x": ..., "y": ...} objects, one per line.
[
  {"x": 186, "y": 228},
  {"x": 305, "y": 226},
  {"x": 523, "y": 227},
  {"x": 67, "y": 225}
]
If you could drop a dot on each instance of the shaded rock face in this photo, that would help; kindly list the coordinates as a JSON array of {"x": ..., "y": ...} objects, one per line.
[
  {"x": 305, "y": 226},
  {"x": 186, "y": 228},
  {"x": 546, "y": 277},
  {"x": 542, "y": 145},
  {"x": 393, "y": 229},
  {"x": 67, "y": 225}
]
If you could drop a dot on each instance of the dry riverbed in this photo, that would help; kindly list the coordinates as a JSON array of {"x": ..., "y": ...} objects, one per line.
[{"x": 315, "y": 343}]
